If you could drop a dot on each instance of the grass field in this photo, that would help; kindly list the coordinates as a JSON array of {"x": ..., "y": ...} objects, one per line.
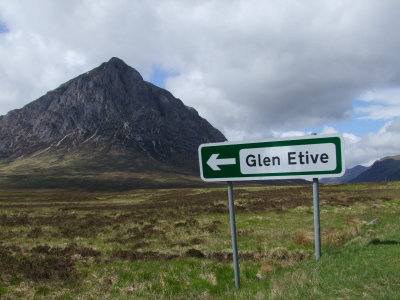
[{"x": 176, "y": 243}]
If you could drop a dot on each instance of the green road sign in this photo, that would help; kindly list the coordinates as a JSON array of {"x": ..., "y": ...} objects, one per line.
[{"x": 305, "y": 157}]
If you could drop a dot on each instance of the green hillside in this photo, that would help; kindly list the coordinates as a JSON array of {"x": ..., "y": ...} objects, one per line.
[{"x": 95, "y": 171}]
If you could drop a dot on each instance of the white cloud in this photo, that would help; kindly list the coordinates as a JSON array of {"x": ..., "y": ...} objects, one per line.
[
  {"x": 386, "y": 96},
  {"x": 30, "y": 66},
  {"x": 382, "y": 104},
  {"x": 329, "y": 130},
  {"x": 361, "y": 149},
  {"x": 51, "y": 42},
  {"x": 253, "y": 68},
  {"x": 365, "y": 150},
  {"x": 290, "y": 68},
  {"x": 72, "y": 59},
  {"x": 285, "y": 134},
  {"x": 379, "y": 112}
]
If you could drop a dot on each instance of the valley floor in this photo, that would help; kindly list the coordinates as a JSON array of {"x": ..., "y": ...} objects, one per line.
[{"x": 176, "y": 243}]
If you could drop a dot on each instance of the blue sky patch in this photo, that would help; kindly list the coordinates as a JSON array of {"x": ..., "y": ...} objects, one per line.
[
  {"x": 355, "y": 124},
  {"x": 3, "y": 28},
  {"x": 158, "y": 76}
]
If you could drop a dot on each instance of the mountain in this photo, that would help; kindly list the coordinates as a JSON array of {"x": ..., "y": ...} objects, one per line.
[
  {"x": 348, "y": 175},
  {"x": 387, "y": 168},
  {"x": 107, "y": 126}
]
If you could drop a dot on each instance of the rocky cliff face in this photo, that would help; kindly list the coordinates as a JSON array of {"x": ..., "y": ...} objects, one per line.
[{"x": 108, "y": 109}]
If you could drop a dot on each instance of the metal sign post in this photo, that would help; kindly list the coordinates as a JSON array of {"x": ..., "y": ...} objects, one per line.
[
  {"x": 317, "y": 233},
  {"x": 233, "y": 233}
]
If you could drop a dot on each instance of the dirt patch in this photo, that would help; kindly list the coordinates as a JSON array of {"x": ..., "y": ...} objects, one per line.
[
  {"x": 194, "y": 253},
  {"x": 191, "y": 222},
  {"x": 213, "y": 227},
  {"x": 197, "y": 241},
  {"x": 145, "y": 255},
  {"x": 303, "y": 238},
  {"x": 35, "y": 233},
  {"x": 245, "y": 232},
  {"x": 70, "y": 250},
  {"x": 49, "y": 267},
  {"x": 178, "y": 244},
  {"x": 37, "y": 266}
]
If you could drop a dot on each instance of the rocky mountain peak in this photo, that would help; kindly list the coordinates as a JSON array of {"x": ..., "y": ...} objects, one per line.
[
  {"x": 116, "y": 62},
  {"x": 117, "y": 65},
  {"x": 110, "y": 108}
]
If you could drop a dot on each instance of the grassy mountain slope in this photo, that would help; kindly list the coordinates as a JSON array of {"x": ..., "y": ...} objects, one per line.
[{"x": 94, "y": 171}]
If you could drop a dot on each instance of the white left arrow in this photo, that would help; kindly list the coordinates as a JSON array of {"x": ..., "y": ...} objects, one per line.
[{"x": 214, "y": 162}]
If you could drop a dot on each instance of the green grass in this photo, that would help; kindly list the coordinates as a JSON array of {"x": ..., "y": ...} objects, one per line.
[
  {"x": 176, "y": 243},
  {"x": 368, "y": 267}
]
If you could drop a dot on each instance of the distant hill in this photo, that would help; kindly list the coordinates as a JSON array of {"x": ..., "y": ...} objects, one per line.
[
  {"x": 348, "y": 175},
  {"x": 105, "y": 128},
  {"x": 387, "y": 168}
]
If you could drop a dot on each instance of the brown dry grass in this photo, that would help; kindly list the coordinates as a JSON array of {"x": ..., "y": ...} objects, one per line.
[{"x": 54, "y": 236}]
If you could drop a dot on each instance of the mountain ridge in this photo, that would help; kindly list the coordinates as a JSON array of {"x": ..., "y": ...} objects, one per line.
[
  {"x": 384, "y": 169},
  {"x": 349, "y": 174}
]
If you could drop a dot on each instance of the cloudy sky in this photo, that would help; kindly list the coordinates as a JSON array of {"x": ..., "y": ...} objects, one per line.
[{"x": 254, "y": 68}]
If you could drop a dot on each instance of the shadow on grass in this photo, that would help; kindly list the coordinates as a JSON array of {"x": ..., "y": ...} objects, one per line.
[{"x": 385, "y": 242}]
